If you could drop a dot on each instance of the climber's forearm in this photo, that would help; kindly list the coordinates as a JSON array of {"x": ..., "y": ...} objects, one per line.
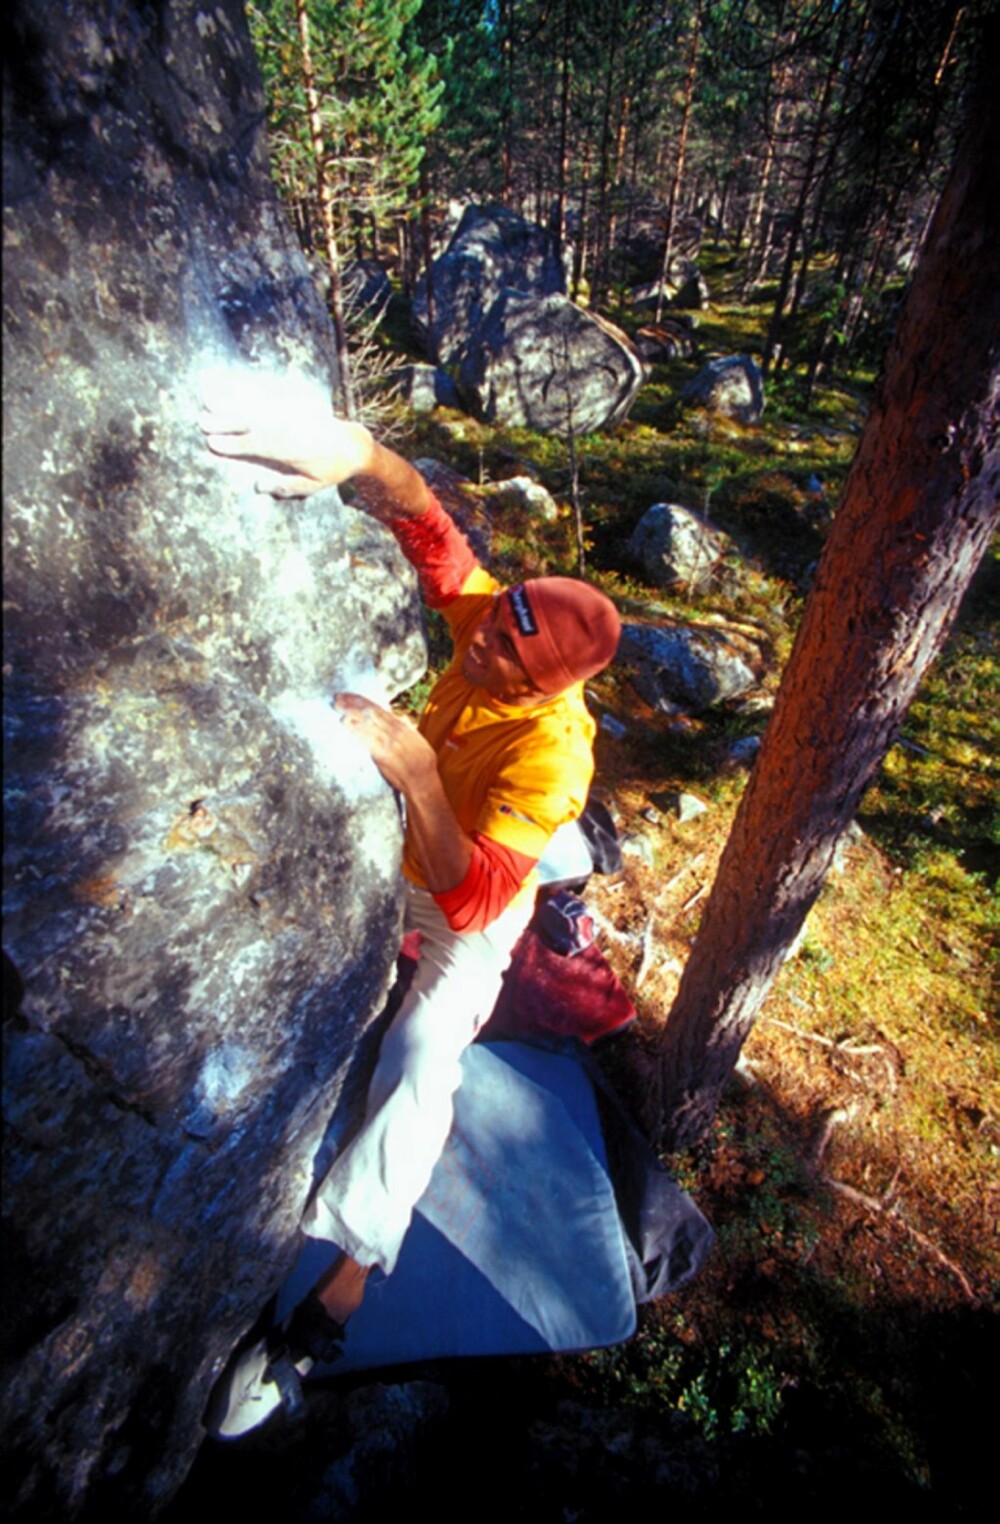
[
  {"x": 389, "y": 487},
  {"x": 442, "y": 849},
  {"x": 407, "y": 762}
]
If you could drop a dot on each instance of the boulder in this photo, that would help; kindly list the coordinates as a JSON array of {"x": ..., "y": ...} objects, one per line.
[
  {"x": 648, "y": 294},
  {"x": 685, "y": 667},
  {"x": 526, "y": 355},
  {"x": 689, "y": 807},
  {"x": 545, "y": 364},
  {"x": 732, "y": 386},
  {"x": 694, "y": 294},
  {"x": 669, "y": 339},
  {"x": 690, "y": 289},
  {"x": 201, "y": 873},
  {"x": 522, "y": 493},
  {"x": 684, "y": 288},
  {"x": 743, "y": 752},
  {"x": 425, "y": 387},
  {"x": 492, "y": 248},
  {"x": 673, "y": 545}
]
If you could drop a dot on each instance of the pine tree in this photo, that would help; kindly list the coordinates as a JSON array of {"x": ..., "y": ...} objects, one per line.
[
  {"x": 920, "y": 506},
  {"x": 352, "y": 100}
]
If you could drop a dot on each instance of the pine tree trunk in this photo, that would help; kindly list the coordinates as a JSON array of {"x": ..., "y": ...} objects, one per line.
[
  {"x": 621, "y": 141},
  {"x": 563, "y": 174},
  {"x": 428, "y": 243},
  {"x": 772, "y": 346},
  {"x": 920, "y": 505},
  {"x": 507, "y": 102},
  {"x": 762, "y": 237},
  {"x": 325, "y": 198},
  {"x": 601, "y": 240},
  {"x": 580, "y": 251},
  {"x": 678, "y": 176},
  {"x": 811, "y": 238}
]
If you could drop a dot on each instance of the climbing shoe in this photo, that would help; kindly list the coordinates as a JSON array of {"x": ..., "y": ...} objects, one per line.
[
  {"x": 261, "y": 1380},
  {"x": 268, "y": 1376}
]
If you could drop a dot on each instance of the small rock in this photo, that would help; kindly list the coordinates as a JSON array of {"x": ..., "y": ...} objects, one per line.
[
  {"x": 755, "y": 703},
  {"x": 744, "y": 751},
  {"x": 425, "y": 387},
  {"x": 523, "y": 493},
  {"x": 732, "y": 386},
  {"x": 613, "y": 727},
  {"x": 664, "y": 341},
  {"x": 634, "y": 845},
  {"x": 689, "y": 807}
]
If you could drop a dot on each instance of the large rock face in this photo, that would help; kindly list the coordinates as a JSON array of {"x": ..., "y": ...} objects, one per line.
[{"x": 201, "y": 877}]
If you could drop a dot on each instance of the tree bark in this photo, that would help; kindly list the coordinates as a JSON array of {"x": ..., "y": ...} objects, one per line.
[
  {"x": 507, "y": 103},
  {"x": 920, "y": 505},
  {"x": 678, "y": 175},
  {"x": 563, "y": 172},
  {"x": 325, "y": 198},
  {"x": 772, "y": 344},
  {"x": 428, "y": 244},
  {"x": 601, "y": 237}
]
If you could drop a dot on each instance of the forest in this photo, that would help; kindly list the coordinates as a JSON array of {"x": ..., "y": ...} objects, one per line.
[
  {"x": 754, "y": 177},
  {"x": 810, "y": 140}
]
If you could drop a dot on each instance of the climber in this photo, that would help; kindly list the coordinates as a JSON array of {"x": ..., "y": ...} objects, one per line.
[{"x": 502, "y": 757}]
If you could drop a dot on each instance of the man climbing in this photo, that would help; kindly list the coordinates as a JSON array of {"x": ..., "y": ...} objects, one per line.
[{"x": 502, "y": 757}]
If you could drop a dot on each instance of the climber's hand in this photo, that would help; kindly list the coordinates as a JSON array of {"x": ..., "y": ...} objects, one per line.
[
  {"x": 304, "y": 455},
  {"x": 405, "y": 760}
]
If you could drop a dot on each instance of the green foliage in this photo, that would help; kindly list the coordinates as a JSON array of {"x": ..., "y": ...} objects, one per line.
[
  {"x": 735, "y": 1388},
  {"x": 380, "y": 100}
]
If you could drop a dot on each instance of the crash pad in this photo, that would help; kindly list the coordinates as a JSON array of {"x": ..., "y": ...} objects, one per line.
[{"x": 517, "y": 1245}]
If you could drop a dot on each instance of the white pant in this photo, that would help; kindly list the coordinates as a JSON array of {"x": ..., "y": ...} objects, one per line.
[{"x": 365, "y": 1203}]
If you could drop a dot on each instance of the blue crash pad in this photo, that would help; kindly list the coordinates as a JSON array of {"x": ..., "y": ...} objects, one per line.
[{"x": 516, "y": 1247}]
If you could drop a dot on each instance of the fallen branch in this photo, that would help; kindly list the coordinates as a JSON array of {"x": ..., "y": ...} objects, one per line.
[
  {"x": 646, "y": 961},
  {"x": 889, "y": 1205},
  {"x": 690, "y": 867},
  {"x": 839, "y": 1045},
  {"x": 834, "y": 1116}
]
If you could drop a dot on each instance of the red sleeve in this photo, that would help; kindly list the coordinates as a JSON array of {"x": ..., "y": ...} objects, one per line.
[
  {"x": 443, "y": 557},
  {"x": 494, "y": 876}
]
